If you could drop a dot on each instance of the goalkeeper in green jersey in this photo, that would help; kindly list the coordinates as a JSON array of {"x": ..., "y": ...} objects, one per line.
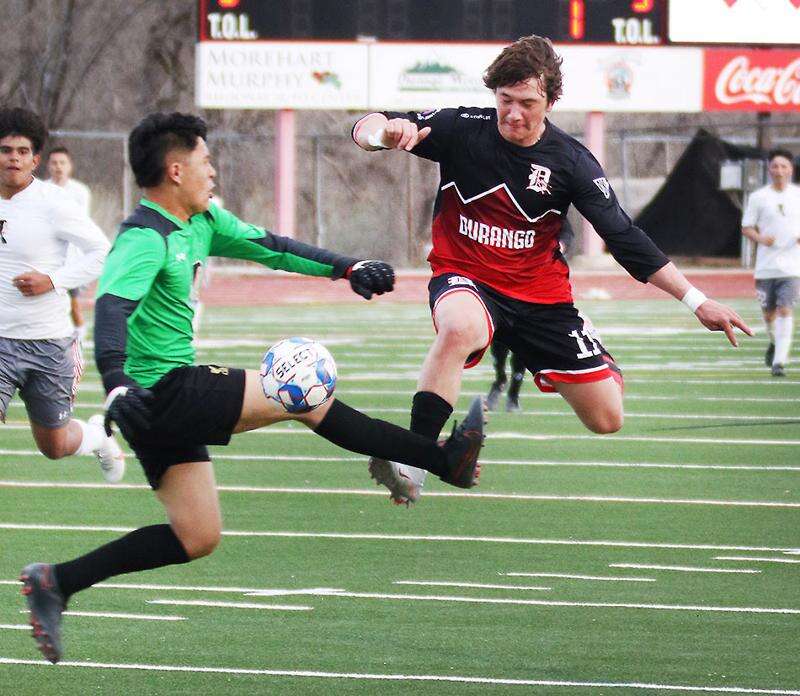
[{"x": 169, "y": 409}]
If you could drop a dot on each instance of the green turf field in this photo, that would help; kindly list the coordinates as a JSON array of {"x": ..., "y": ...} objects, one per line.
[{"x": 662, "y": 559}]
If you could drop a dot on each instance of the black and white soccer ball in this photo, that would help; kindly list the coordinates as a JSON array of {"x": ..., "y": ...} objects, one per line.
[{"x": 299, "y": 373}]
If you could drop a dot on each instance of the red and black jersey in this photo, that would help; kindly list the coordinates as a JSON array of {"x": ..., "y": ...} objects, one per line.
[{"x": 500, "y": 207}]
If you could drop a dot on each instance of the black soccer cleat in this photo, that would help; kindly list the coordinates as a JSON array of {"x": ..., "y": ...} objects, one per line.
[
  {"x": 46, "y": 604},
  {"x": 769, "y": 355},
  {"x": 463, "y": 447},
  {"x": 778, "y": 370}
]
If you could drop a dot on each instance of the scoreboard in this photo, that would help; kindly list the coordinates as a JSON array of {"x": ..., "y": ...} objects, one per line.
[{"x": 621, "y": 22}]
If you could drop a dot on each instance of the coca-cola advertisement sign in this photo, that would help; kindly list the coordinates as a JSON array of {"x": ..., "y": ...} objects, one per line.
[{"x": 766, "y": 80}]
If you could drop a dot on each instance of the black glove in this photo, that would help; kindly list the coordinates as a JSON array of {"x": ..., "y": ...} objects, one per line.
[
  {"x": 368, "y": 277},
  {"x": 131, "y": 409}
]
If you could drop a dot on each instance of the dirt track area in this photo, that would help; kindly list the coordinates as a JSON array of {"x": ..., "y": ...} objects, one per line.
[{"x": 275, "y": 288}]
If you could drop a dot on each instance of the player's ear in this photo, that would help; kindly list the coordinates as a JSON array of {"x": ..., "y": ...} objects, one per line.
[
  {"x": 37, "y": 158},
  {"x": 173, "y": 171}
]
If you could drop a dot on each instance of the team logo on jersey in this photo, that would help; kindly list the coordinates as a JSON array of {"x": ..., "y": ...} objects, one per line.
[
  {"x": 2, "y": 236},
  {"x": 603, "y": 185},
  {"x": 459, "y": 280},
  {"x": 425, "y": 115},
  {"x": 539, "y": 179}
]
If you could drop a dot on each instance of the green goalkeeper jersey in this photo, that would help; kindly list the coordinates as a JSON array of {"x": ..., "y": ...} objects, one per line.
[{"x": 156, "y": 263}]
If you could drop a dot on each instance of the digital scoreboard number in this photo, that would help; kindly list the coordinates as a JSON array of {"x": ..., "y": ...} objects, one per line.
[{"x": 622, "y": 22}]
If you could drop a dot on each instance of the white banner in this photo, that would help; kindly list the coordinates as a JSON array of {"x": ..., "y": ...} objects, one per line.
[
  {"x": 415, "y": 76},
  {"x": 421, "y": 75},
  {"x": 596, "y": 78},
  {"x": 735, "y": 21},
  {"x": 281, "y": 75},
  {"x": 649, "y": 79}
]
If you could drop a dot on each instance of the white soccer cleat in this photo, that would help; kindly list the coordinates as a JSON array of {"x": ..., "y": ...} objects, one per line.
[
  {"x": 110, "y": 455},
  {"x": 403, "y": 481}
]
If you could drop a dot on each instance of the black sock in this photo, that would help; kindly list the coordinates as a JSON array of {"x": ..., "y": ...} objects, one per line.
[
  {"x": 142, "y": 549},
  {"x": 429, "y": 413},
  {"x": 357, "y": 432},
  {"x": 499, "y": 353}
]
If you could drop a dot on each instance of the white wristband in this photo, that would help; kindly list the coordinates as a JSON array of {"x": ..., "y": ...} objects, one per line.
[
  {"x": 376, "y": 140},
  {"x": 693, "y": 298}
]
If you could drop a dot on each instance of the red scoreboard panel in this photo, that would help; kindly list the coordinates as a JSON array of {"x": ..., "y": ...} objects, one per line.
[{"x": 624, "y": 22}]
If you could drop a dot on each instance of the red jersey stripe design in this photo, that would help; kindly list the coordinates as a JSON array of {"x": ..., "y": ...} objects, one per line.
[{"x": 488, "y": 238}]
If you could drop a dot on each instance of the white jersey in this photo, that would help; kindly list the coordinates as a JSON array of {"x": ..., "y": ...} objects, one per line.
[
  {"x": 78, "y": 192},
  {"x": 38, "y": 224},
  {"x": 776, "y": 214}
]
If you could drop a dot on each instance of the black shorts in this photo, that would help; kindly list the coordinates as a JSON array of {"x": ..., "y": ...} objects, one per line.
[
  {"x": 195, "y": 406},
  {"x": 554, "y": 341}
]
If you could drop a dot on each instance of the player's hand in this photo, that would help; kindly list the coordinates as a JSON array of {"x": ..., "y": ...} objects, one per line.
[
  {"x": 767, "y": 240},
  {"x": 401, "y": 134},
  {"x": 33, "y": 283},
  {"x": 719, "y": 317},
  {"x": 368, "y": 277},
  {"x": 131, "y": 409}
]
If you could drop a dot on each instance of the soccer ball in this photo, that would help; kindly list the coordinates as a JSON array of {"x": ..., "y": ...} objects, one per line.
[{"x": 298, "y": 373}]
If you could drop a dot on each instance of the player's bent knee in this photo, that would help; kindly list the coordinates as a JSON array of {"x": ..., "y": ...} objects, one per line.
[
  {"x": 463, "y": 337},
  {"x": 201, "y": 542},
  {"x": 53, "y": 449},
  {"x": 606, "y": 423}
]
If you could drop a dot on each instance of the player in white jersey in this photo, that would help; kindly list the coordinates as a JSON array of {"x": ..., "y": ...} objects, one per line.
[
  {"x": 59, "y": 169},
  {"x": 772, "y": 221},
  {"x": 38, "y": 350}
]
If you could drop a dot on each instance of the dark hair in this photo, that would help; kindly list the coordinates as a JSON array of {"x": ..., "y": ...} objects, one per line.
[
  {"x": 155, "y": 136},
  {"x": 530, "y": 56},
  {"x": 780, "y": 152},
  {"x": 25, "y": 123},
  {"x": 60, "y": 150}
]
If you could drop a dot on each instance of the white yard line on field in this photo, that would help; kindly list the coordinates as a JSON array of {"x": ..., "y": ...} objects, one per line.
[
  {"x": 222, "y": 455},
  {"x": 118, "y": 615},
  {"x": 561, "y": 603},
  {"x": 566, "y": 576},
  {"x": 365, "y": 676},
  {"x": 476, "y": 585},
  {"x": 263, "y": 591},
  {"x": 307, "y": 490},
  {"x": 551, "y": 413},
  {"x": 230, "y": 605},
  {"x": 760, "y": 559},
  {"x": 681, "y": 569},
  {"x": 363, "y": 536}
]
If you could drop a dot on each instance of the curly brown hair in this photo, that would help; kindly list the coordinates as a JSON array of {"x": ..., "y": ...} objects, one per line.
[{"x": 530, "y": 56}]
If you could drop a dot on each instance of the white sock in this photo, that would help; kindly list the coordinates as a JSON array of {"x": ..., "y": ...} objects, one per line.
[
  {"x": 783, "y": 339},
  {"x": 94, "y": 437}
]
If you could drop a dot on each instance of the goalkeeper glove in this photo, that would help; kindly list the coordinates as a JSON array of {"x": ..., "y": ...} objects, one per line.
[
  {"x": 131, "y": 409},
  {"x": 368, "y": 277}
]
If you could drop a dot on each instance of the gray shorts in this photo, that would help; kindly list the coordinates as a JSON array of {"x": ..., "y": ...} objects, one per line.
[
  {"x": 777, "y": 292},
  {"x": 46, "y": 372}
]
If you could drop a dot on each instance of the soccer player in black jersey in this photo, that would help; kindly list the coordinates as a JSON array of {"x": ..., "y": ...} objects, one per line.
[
  {"x": 508, "y": 176},
  {"x": 169, "y": 409}
]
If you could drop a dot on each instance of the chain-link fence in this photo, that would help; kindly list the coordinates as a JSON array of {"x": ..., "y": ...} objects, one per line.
[{"x": 360, "y": 203}]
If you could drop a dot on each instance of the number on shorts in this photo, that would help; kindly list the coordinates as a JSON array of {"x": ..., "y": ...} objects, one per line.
[{"x": 585, "y": 351}]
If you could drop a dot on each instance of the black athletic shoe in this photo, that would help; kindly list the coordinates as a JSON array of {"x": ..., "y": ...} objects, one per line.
[
  {"x": 512, "y": 403},
  {"x": 769, "y": 355},
  {"x": 46, "y": 604},
  {"x": 493, "y": 398},
  {"x": 778, "y": 371},
  {"x": 464, "y": 445}
]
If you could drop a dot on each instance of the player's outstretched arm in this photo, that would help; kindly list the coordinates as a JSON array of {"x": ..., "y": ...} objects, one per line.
[
  {"x": 376, "y": 132},
  {"x": 714, "y": 315}
]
